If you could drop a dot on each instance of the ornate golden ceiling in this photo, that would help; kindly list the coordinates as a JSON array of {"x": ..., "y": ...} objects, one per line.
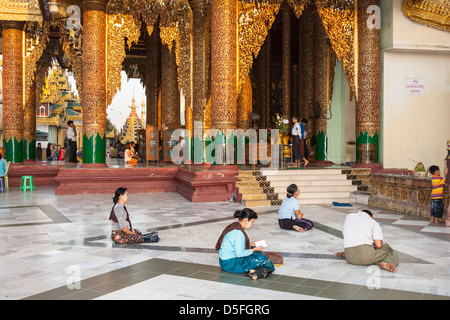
[{"x": 125, "y": 18}]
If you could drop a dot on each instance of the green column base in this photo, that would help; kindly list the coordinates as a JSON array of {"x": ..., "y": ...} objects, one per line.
[
  {"x": 321, "y": 146},
  {"x": 29, "y": 150},
  {"x": 13, "y": 150},
  {"x": 94, "y": 149},
  {"x": 365, "y": 138}
]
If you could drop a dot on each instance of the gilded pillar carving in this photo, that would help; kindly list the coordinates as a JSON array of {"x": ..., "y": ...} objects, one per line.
[
  {"x": 368, "y": 102},
  {"x": 268, "y": 80},
  {"x": 170, "y": 95},
  {"x": 199, "y": 60},
  {"x": 306, "y": 66},
  {"x": 94, "y": 82},
  {"x": 321, "y": 85},
  {"x": 286, "y": 62},
  {"x": 260, "y": 87},
  {"x": 153, "y": 76},
  {"x": 264, "y": 84},
  {"x": 224, "y": 64},
  {"x": 306, "y": 25},
  {"x": 29, "y": 123},
  {"x": 12, "y": 35},
  {"x": 244, "y": 118}
]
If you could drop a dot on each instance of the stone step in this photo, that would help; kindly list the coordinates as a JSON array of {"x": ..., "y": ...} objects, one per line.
[
  {"x": 246, "y": 173},
  {"x": 253, "y": 184},
  {"x": 319, "y": 195},
  {"x": 305, "y": 183},
  {"x": 301, "y": 172},
  {"x": 326, "y": 201},
  {"x": 326, "y": 188},
  {"x": 243, "y": 190},
  {"x": 256, "y": 203},
  {"x": 254, "y": 196},
  {"x": 247, "y": 178},
  {"x": 306, "y": 177}
]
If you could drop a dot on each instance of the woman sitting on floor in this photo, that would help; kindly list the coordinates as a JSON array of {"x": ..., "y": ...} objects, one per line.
[
  {"x": 128, "y": 156},
  {"x": 236, "y": 253},
  {"x": 122, "y": 230},
  {"x": 289, "y": 216}
]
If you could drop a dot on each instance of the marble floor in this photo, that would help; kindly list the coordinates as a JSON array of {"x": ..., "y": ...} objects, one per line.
[{"x": 58, "y": 248}]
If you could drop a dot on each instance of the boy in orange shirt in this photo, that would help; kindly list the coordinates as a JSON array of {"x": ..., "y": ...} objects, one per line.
[{"x": 437, "y": 194}]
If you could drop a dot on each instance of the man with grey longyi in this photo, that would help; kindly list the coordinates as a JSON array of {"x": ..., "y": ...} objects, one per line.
[{"x": 363, "y": 242}]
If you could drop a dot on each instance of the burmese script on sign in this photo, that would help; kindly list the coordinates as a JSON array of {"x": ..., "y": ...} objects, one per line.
[{"x": 415, "y": 86}]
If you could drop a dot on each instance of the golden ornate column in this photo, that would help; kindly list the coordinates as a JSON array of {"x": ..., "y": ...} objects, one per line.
[
  {"x": 170, "y": 95},
  {"x": 306, "y": 62},
  {"x": 244, "y": 113},
  {"x": 29, "y": 124},
  {"x": 321, "y": 86},
  {"x": 12, "y": 35},
  {"x": 261, "y": 87},
  {"x": 199, "y": 46},
  {"x": 94, "y": 82},
  {"x": 268, "y": 79},
  {"x": 263, "y": 63},
  {"x": 153, "y": 76},
  {"x": 286, "y": 61},
  {"x": 224, "y": 69},
  {"x": 368, "y": 102}
]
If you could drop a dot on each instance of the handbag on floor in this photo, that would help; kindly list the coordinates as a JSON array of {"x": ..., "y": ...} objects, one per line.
[
  {"x": 274, "y": 257},
  {"x": 151, "y": 237}
]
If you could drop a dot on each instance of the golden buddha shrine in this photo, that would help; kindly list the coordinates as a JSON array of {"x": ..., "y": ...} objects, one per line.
[{"x": 370, "y": 76}]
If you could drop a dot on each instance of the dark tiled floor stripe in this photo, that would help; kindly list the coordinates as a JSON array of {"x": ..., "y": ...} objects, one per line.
[
  {"x": 91, "y": 241},
  {"x": 49, "y": 211},
  {"x": 400, "y": 216},
  {"x": 100, "y": 285}
]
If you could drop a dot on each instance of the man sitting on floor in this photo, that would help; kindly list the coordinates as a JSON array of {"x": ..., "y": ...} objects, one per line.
[{"x": 363, "y": 242}]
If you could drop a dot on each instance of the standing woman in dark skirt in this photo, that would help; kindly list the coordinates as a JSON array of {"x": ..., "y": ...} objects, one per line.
[{"x": 298, "y": 149}]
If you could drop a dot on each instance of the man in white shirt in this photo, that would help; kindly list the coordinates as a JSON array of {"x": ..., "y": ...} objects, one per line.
[
  {"x": 363, "y": 242},
  {"x": 72, "y": 137}
]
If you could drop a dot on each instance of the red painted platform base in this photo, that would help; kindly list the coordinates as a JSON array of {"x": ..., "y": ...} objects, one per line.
[
  {"x": 107, "y": 180},
  {"x": 195, "y": 183},
  {"x": 44, "y": 175},
  {"x": 212, "y": 184}
]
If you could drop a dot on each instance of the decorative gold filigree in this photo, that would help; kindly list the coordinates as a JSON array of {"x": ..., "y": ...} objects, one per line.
[
  {"x": 433, "y": 13},
  {"x": 124, "y": 21},
  {"x": 31, "y": 61},
  {"x": 255, "y": 21},
  {"x": 20, "y": 10},
  {"x": 119, "y": 27},
  {"x": 339, "y": 24},
  {"x": 298, "y": 6}
]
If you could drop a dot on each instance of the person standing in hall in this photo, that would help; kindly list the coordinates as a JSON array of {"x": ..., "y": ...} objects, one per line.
[
  {"x": 49, "y": 152},
  {"x": 298, "y": 146},
  {"x": 447, "y": 180},
  {"x": 72, "y": 137},
  {"x": 437, "y": 194},
  {"x": 39, "y": 152}
]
